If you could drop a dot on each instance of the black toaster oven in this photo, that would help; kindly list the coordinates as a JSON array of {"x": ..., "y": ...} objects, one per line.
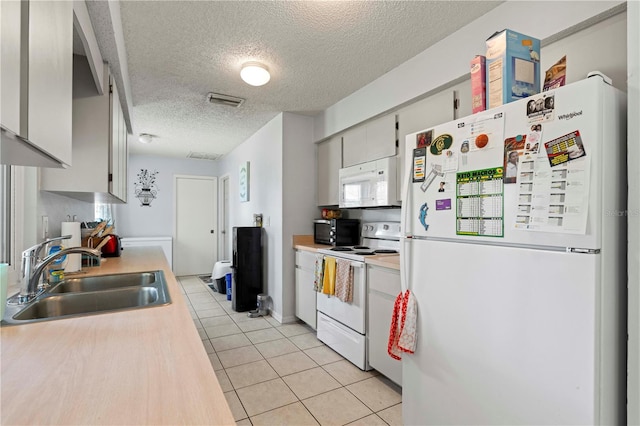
[{"x": 336, "y": 232}]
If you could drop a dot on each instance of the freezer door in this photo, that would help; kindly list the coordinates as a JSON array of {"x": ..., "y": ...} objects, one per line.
[
  {"x": 508, "y": 336},
  {"x": 589, "y": 187}
]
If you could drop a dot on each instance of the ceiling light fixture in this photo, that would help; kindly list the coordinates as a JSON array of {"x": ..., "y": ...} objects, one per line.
[
  {"x": 145, "y": 138},
  {"x": 255, "y": 74}
]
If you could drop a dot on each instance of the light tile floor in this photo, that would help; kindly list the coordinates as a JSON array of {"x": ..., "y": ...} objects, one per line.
[{"x": 275, "y": 374}]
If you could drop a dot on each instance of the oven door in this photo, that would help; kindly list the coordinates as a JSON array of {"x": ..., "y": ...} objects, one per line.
[{"x": 350, "y": 314}]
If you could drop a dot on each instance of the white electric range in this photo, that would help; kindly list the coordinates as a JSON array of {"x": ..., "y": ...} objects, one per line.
[{"x": 340, "y": 325}]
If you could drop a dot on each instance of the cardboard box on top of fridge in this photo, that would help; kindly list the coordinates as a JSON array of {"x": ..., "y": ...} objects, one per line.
[
  {"x": 478, "y": 84},
  {"x": 513, "y": 67}
]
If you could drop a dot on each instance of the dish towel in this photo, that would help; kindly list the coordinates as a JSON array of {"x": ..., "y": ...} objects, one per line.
[
  {"x": 402, "y": 333},
  {"x": 329, "y": 278},
  {"x": 344, "y": 280},
  {"x": 318, "y": 273}
]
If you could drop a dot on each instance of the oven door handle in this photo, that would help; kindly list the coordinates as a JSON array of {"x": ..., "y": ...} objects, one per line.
[{"x": 354, "y": 264}]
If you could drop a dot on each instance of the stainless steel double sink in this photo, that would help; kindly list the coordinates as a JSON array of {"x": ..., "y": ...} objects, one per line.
[{"x": 93, "y": 295}]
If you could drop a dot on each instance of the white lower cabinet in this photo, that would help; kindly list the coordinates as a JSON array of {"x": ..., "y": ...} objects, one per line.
[
  {"x": 305, "y": 294},
  {"x": 384, "y": 286}
]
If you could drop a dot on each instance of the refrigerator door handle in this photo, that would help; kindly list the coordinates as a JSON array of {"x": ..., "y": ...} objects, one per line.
[
  {"x": 405, "y": 255},
  {"x": 406, "y": 203}
]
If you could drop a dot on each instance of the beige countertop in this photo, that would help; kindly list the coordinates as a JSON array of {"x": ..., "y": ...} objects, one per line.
[
  {"x": 305, "y": 242},
  {"x": 144, "y": 366}
]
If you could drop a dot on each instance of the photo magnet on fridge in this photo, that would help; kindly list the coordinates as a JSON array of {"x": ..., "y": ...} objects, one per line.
[
  {"x": 565, "y": 148},
  {"x": 423, "y": 139},
  {"x": 513, "y": 148}
]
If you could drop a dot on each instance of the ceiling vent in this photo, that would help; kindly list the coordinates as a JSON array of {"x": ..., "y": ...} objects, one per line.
[
  {"x": 203, "y": 156},
  {"x": 218, "y": 98}
]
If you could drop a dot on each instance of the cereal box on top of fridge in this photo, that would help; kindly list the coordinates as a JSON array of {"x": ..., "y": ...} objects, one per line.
[
  {"x": 513, "y": 67},
  {"x": 478, "y": 84}
]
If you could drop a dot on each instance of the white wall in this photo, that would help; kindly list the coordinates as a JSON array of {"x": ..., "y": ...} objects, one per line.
[
  {"x": 299, "y": 189},
  {"x": 633, "y": 159},
  {"x": 282, "y": 189},
  {"x": 57, "y": 207},
  {"x": 156, "y": 220},
  {"x": 263, "y": 150},
  {"x": 449, "y": 59}
]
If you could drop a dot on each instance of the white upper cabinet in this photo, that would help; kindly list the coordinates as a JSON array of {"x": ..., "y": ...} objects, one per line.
[
  {"x": 118, "y": 154},
  {"x": 329, "y": 163},
  {"x": 10, "y": 37},
  {"x": 370, "y": 141},
  {"x": 421, "y": 115},
  {"x": 37, "y": 79},
  {"x": 99, "y": 143}
]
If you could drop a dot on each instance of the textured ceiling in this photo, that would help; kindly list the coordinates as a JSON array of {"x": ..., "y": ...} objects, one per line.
[{"x": 318, "y": 53}]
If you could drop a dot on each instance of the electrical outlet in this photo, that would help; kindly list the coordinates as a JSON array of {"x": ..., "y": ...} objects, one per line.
[{"x": 45, "y": 227}]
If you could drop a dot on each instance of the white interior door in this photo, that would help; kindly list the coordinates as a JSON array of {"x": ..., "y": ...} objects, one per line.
[
  {"x": 225, "y": 238},
  {"x": 195, "y": 234}
]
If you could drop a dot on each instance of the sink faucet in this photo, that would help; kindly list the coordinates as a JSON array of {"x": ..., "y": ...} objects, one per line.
[
  {"x": 31, "y": 256},
  {"x": 32, "y": 268}
]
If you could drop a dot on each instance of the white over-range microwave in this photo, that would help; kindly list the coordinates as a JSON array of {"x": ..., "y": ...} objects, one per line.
[{"x": 371, "y": 184}]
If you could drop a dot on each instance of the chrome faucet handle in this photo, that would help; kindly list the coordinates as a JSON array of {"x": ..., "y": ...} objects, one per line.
[
  {"x": 38, "y": 247},
  {"x": 31, "y": 256}
]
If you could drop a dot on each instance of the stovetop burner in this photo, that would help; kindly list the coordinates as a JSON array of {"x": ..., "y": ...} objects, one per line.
[
  {"x": 341, "y": 249},
  {"x": 364, "y": 253},
  {"x": 385, "y": 251}
]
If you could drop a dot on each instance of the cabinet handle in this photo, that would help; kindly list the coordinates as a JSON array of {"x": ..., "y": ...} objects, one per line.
[{"x": 212, "y": 231}]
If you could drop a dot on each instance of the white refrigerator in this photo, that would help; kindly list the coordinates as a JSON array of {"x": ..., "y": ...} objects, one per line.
[{"x": 519, "y": 270}]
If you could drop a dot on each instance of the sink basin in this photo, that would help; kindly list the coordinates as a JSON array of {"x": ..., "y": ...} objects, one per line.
[
  {"x": 89, "y": 302},
  {"x": 106, "y": 282},
  {"x": 93, "y": 295}
]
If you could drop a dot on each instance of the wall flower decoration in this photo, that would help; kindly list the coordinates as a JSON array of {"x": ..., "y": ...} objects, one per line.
[
  {"x": 244, "y": 181},
  {"x": 145, "y": 187}
]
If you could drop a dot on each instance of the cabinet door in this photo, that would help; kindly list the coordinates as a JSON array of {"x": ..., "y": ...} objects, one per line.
[
  {"x": 354, "y": 146},
  {"x": 463, "y": 99},
  {"x": 124, "y": 154},
  {"x": 371, "y": 141},
  {"x": 305, "y": 295},
  {"x": 426, "y": 113},
  {"x": 381, "y": 137},
  {"x": 10, "y": 51},
  {"x": 384, "y": 286},
  {"x": 114, "y": 140},
  {"x": 118, "y": 147},
  {"x": 329, "y": 163},
  {"x": 51, "y": 77}
]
